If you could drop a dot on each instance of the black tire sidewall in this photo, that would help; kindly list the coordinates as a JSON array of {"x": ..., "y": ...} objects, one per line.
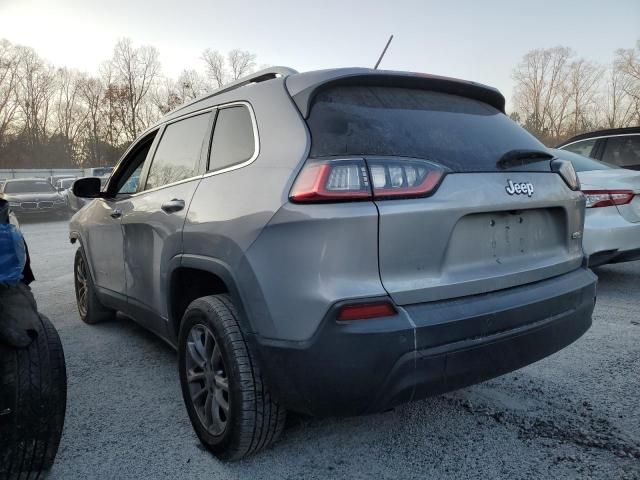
[
  {"x": 196, "y": 314},
  {"x": 95, "y": 311}
]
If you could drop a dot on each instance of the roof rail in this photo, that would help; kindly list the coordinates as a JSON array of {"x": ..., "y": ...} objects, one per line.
[{"x": 259, "y": 76}]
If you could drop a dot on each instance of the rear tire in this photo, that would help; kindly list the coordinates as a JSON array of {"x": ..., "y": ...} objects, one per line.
[
  {"x": 212, "y": 350},
  {"x": 90, "y": 309},
  {"x": 33, "y": 386}
]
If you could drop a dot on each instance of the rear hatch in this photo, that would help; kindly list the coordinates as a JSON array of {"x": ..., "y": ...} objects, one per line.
[
  {"x": 483, "y": 225},
  {"x": 620, "y": 180}
]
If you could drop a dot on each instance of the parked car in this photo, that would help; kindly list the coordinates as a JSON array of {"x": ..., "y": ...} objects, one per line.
[
  {"x": 618, "y": 146},
  {"x": 335, "y": 243},
  {"x": 54, "y": 179},
  {"x": 612, "y": 223},
  {"x": 30, "y": 197}
]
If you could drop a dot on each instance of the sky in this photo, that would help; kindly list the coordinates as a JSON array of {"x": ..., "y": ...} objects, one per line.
[{"x": 474, "y": 40}]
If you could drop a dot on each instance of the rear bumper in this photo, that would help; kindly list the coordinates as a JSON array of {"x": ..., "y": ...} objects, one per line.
[
  {"x": 364, "y": 366},
  {"x": 609, "y": 238}
]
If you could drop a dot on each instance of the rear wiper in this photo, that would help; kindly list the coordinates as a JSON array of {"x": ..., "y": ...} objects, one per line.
[{"x": 518, "y": 158}]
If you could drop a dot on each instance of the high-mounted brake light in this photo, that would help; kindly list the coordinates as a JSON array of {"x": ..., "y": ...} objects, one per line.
[
  {"x": 354, "y": 179},
  {"x": 607, "y": 198},
  {"x": 364, "y": 311}
]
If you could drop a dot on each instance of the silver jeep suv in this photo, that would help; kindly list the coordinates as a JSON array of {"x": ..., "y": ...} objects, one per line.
[{"x": 334, "y": 243}]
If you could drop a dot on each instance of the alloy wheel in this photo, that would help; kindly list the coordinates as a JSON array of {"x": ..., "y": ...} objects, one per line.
[
  {"x": 207, "y": 379},
  {"x": 82, "y": 286}
]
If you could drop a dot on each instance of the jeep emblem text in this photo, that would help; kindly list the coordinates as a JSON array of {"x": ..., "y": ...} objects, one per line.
[{"x": 523, "y": 188}]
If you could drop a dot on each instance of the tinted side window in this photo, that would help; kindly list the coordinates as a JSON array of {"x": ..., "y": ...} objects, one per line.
[
  {"x": 623, "y": 151},
  {"x": 582, "y": 148},
  {"x": 233, "y": 141},
  {"x": 178, "y": 152}
]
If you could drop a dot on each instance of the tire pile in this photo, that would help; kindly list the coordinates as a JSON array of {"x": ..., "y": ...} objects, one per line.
[{"x": 33, "y": 379}]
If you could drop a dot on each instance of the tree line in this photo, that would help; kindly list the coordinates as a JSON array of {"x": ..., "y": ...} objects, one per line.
[
  {"x": 60, "y": 117},
  {"x": 558, "y": 95}
]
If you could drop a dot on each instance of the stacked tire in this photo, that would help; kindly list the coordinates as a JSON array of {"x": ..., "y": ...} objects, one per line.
[{"x": 33, "y": 395}]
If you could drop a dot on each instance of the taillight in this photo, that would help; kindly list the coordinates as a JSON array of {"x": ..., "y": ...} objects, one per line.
[
  {"x": 607, "y": 198},
  {"x": 404, "y": 178},
  {"x": 331, "y": 181},
  {"x": 364, "y": 311},
  {"x": 354, "y": 179}
]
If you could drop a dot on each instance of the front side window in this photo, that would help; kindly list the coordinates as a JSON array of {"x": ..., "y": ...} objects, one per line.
[
  {"x": 178, "y": 154},
  {"x": 584, "y": 147},
  {"x": 127, "y": 182},
  {"x": 623, "y": 151},
  {"x": 233, "y": 140}
]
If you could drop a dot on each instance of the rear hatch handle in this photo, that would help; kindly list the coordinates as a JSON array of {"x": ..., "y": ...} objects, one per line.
[{"x": 519, "y": 158}]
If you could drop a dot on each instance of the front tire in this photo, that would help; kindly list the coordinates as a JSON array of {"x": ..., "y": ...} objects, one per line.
[
  {"x": 90, "y": 309},
  {"x": 228, "y": 400},
  {"x": 33, "y": 387}
]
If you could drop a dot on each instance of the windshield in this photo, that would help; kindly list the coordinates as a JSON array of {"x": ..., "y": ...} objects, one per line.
[
  {"x": 28, "y": 186},
  {"x": 460, "y": 133},
  {"x": 582, "y": 163}
]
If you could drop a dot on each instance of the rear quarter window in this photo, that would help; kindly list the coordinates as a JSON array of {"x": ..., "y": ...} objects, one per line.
[
  {"x": 233, "y": 139},
  {"x": 460, "y": 133}
]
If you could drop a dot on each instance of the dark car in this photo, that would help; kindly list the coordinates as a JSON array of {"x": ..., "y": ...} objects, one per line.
[
  {"x": 618, "y": 146},
  {"x": 33, "y": 196},
  {"x": 335, "y": 242}
]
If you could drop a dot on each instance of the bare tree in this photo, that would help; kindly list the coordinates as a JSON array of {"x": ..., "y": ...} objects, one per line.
[
  {"x": 70, "y": 111},
  {"x": 583, "y": 79},
  {"x": 241, "y": 63},
  {"x": 538, "y": 95},
  {"x": 616, "y": 105},
  {"x": 136, "y": 70},
  {"x": 37, "y": 88},
  {"x": 92, "y": 93},
  {"x": 216, "y": 69},
  {"x": 627, "y": 63},
  {"x": 9, "y": 64}
]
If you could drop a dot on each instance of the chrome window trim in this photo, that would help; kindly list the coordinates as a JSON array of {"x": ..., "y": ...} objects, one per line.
[
  {"x": 601, "y": 136},
  {"x": 256, "y": 139},
  {"x": 256, "y": 150}
]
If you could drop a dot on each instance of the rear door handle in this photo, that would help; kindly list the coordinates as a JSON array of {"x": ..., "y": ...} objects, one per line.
[
  {"x": 115, "y": 213},
  {"x": 173, "y": 206}
]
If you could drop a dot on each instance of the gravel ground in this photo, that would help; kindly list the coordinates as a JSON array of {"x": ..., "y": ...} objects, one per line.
[{"x": 574, "y": 414}]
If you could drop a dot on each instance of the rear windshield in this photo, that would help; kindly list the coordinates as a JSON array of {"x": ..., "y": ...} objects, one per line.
[
  {"x": 460, "y": 133},
  {"x": 28, "y": 186},
  {"x": 582, "y": 163}
]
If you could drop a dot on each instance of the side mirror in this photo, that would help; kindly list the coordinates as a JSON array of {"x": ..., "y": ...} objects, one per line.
[{"x": 87, "y": 187}]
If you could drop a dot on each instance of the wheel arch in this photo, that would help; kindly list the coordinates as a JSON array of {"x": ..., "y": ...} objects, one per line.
[{"x": 195, "y": 276}]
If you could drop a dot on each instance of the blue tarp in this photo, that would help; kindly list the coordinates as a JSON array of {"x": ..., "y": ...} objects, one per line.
[{"x": 12, "y": 254}]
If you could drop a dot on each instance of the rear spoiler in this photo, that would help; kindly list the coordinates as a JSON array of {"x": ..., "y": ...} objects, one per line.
[{"x": 304, "y": 87}]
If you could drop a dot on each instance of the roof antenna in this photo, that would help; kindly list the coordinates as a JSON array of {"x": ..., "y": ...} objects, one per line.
[{"x": 383, "y": 52}]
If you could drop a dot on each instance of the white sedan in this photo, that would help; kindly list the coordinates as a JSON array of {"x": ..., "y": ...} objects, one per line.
[{"x": 612, "y": 221}]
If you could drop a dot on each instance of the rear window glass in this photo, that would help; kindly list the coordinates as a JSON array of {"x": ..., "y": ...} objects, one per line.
[{"x": 462, "y": 134}]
